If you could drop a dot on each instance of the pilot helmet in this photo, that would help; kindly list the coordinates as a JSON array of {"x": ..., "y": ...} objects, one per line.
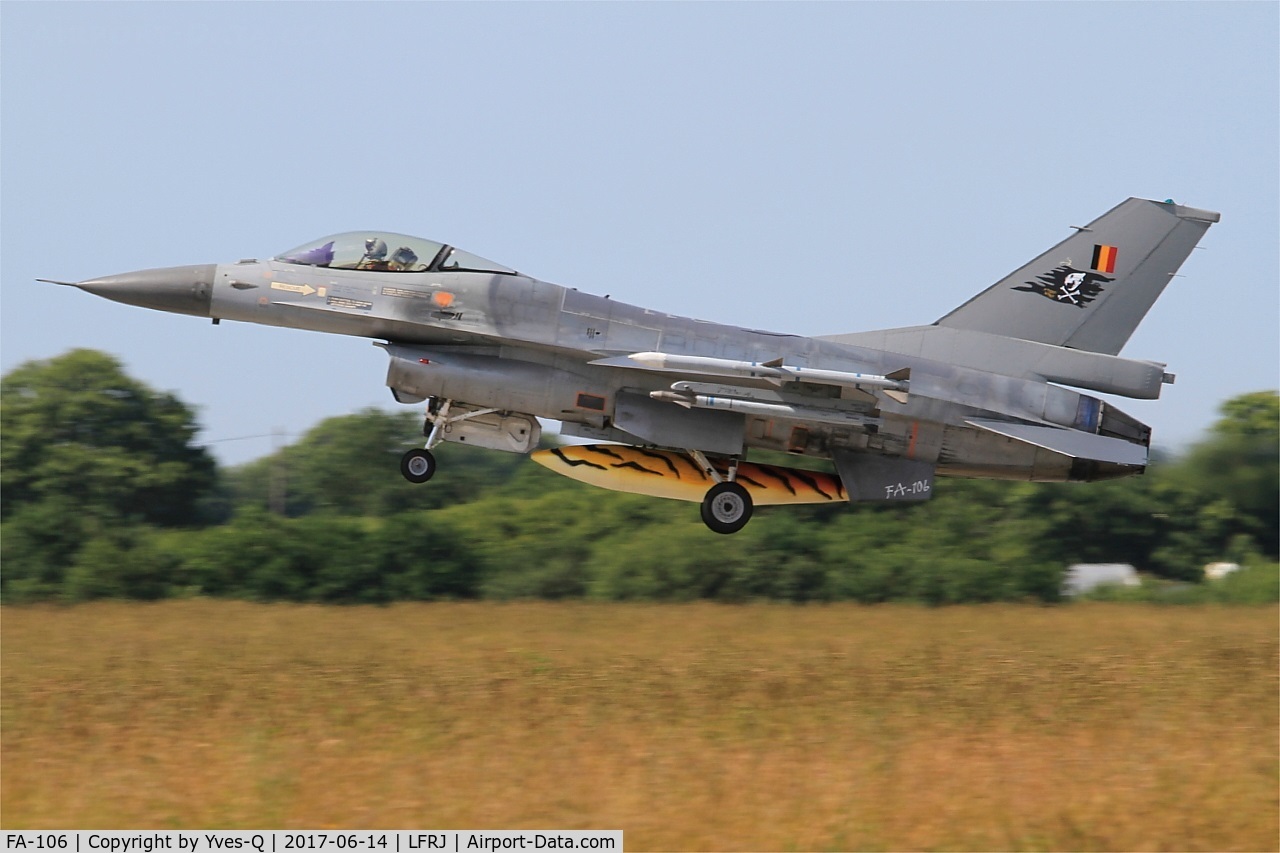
[
  {"x": 375, "y": 249},
  {"x": 404, "y": 257}
]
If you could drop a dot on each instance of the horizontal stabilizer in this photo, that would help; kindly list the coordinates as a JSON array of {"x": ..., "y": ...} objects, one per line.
[{"x": 1069, "y": 442}]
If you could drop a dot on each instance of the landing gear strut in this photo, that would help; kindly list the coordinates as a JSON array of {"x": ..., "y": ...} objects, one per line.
[{"x": 727, "y": 507}]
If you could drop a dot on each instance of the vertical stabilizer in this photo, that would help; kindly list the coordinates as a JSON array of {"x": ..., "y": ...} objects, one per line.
[{"x": 1091, "y": 290}]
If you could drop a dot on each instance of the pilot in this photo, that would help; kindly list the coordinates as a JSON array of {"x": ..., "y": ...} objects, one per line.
[
  {"x": 375, "y": 255},
  {"x": 404, "y": 259}
]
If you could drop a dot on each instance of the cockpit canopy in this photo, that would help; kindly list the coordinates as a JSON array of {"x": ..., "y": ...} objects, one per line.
[{"x": 383, "y": 251}]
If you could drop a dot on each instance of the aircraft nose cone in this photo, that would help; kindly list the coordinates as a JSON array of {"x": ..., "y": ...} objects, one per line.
[{"x": 181, "y": 290}]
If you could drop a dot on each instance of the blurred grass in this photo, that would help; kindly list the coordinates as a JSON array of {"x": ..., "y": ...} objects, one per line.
[{"x": 700, "y": 726}]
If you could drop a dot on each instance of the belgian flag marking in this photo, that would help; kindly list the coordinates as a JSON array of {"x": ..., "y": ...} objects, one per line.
[{"x": 1104, "y": 258}]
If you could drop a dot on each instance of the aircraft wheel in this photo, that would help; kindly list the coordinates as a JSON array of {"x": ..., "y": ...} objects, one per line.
[
  {"x": 418, "y": 465},
  {"x": 726, "y": 508}
]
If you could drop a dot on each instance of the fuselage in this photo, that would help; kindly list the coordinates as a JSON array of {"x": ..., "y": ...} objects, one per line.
[
  {"x": 512, "y": 342},
  {"x": 978, "y": 393}
]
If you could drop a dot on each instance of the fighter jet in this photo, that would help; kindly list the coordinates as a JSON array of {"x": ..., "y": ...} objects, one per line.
[{"x": 672, "y": 406}]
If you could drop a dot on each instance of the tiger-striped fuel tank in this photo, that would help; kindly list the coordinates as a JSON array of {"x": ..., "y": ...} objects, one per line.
[{"x": 664, "y": 474}]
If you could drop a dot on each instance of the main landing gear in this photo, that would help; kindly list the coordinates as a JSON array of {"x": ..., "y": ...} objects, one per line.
[{"x": 728, "y": 506}]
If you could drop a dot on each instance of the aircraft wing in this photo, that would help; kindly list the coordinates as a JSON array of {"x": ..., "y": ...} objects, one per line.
[{"x": 1069, "y": 442}]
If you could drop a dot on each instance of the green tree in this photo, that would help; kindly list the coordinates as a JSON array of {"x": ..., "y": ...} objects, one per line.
[
  {"x": 418, "y": 558},
  {"x": 77, "y": 427},
  {"x": 1239, "y": 463},
  {"x": 121, "y": 562},
  {"x": 88, "y": 454},
  {"x": 38, "y": 542}
]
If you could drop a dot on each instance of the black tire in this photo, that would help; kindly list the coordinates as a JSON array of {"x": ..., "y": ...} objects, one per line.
[
  {"x": 418, "y": 465},
  {"x": 726, "y": 508}
]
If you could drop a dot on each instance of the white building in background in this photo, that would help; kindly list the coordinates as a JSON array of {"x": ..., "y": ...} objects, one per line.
[
  {"x": 1084, "y": 577},
  {"x": 1218, "y": 571}
]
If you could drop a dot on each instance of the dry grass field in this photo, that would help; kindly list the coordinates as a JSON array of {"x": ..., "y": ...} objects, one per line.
[{"x": 1119, "y": 727}]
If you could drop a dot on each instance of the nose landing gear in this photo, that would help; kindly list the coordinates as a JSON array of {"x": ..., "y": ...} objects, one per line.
[{"x": 418, "y": 465}]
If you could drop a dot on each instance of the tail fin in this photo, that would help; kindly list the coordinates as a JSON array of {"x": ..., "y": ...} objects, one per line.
[{"x": 1091, "y": 290}]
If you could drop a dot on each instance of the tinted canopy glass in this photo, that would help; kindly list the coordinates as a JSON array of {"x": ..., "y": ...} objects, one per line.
[{"x": 384, "y": 251}]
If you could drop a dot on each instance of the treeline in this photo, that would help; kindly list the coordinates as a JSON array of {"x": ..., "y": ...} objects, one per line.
[{"x": 103, "y": 493}]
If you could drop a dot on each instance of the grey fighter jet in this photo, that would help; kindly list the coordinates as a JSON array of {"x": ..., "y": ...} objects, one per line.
[{"x": 674, "y": 405}]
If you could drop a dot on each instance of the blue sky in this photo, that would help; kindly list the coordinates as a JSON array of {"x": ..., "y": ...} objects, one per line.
[{"x": 808, "y": 168}]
